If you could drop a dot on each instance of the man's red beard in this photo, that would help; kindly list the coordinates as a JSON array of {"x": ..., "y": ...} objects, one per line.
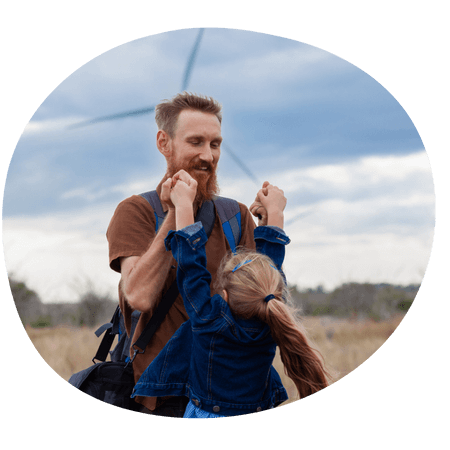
[{"x": 207, "y": 185}]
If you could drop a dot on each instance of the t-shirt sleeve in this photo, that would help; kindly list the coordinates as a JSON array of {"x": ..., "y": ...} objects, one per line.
[{"x": 131, "y": 230}]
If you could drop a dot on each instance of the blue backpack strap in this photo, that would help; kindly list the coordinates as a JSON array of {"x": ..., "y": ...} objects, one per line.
[
  {"x": 227, "y": 209},
  {"x": 155, "y": 202},
  {"x": 230, "y": 217}
]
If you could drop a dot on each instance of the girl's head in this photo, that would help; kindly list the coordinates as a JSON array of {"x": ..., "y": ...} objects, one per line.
[{"x": 248, "y": 278}]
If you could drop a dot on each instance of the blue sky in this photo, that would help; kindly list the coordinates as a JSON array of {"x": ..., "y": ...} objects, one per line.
[{"x": 352, "y": 164}]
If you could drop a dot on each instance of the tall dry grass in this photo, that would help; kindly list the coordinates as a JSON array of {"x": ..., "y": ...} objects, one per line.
[{"x": 344, "y": 345}]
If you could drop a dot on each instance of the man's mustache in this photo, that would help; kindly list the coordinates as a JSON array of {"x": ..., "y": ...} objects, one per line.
[{"x": 202, "y": 165}]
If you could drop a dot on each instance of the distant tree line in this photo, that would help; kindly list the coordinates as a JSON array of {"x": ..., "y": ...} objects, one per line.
[
  {"x": 91, "y": 309},
  {"x": 355, "y": 300}
]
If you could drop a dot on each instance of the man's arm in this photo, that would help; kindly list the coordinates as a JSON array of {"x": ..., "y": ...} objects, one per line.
[{"x": 143, "y": 277}]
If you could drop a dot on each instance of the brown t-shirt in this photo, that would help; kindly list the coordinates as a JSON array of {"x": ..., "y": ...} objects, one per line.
[{"x": 131, "y": 230}]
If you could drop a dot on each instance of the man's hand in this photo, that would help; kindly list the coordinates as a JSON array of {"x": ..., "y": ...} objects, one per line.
[
  {"x": 181, "y": 175},
  {"x": 169, "y": 184},
  {"x": 257, "y": 208},
  {"x": 273, "y": 199},
  {"x": 270, "y": 201},
  {"x": 165, "y": 194}
]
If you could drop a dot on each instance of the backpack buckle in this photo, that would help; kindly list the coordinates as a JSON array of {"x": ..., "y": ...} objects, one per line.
[{"x": 136, "y": 351}]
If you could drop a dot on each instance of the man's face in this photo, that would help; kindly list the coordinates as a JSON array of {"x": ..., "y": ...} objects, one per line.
[{"x": 196, "y": 149}]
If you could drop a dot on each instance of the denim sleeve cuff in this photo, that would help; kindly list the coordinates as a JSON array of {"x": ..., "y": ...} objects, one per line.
[
  {"x": 192, "y": 229},
  {"x": 194, "y": 234},
  {"x": 271, "y": 234},
  {"x": 280, "y": 230}
]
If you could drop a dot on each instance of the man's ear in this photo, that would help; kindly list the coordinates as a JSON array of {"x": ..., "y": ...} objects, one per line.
[{"x": 163, "y": 143}]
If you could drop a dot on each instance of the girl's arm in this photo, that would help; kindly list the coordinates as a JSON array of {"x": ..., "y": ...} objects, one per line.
[
  {"x": 182, "y": 195},
  {"x": 271, "y": 239},
  {"x": 188, "y": 249},
  {"x": 193, "y": 279},
  {"x": 184, "y": 216}
]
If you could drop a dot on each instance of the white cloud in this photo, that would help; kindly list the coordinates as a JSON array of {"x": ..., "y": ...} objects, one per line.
[
  {"x": 57, "y": 254},
  {"x": 364, "y": 238},
  {"x": 314, "y": 259},
  {"x": 380, "y": 235},
  {"x": 364, "y": 172},
  {"x": 124, "y": 189},
  {"x": 50, "y": 126},
  {"x": 349, "y": 235}
]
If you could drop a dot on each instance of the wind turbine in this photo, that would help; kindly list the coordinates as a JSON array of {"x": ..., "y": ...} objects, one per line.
[{"x": 185, "y": 83}]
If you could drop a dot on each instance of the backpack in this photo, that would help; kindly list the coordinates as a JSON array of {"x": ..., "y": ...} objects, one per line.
[
  {"x": 113, "y": 381},
  {"x": 230, "y": 217}
]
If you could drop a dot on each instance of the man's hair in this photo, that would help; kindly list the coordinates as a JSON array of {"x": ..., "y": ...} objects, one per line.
[{"x": 167, "y": 112}]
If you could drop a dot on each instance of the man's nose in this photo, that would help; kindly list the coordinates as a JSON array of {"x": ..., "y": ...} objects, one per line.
[{"x": 206, "y": 154}]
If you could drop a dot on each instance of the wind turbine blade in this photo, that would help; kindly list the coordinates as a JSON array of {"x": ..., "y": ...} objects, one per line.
[
  {"x": 133, "y": 113},
  {"x": 139, "y": 112},
  {"x": 191, "y": 60},
  {"x": 241, "y": 164},
  {"x": 297, "y": 216}
]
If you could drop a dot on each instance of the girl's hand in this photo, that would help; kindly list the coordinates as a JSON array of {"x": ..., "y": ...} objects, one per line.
[
  {"x": 183, "y": 196},
  {"x": 272, "y": 198},
  {"x": 184, "y": 190}
]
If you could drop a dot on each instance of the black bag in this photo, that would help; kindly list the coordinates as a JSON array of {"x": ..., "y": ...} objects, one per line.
[
  {"x": 110, "y": 382},
  {"x": 113, "y": 381}
]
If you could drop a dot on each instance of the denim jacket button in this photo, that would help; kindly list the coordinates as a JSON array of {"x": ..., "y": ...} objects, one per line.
[
  {"x": 216, "y": 408},
  {"x": 258, "y": 409},
  {"x": 195, "y": 402}
]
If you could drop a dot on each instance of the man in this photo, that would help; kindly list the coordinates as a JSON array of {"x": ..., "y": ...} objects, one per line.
[{"x": 189, "y": 137}]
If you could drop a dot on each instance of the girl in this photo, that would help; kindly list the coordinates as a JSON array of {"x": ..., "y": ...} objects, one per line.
[{"x": 221, "y": 358}]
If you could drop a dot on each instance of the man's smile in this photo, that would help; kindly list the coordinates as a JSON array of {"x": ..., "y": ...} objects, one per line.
[{"x": 202, "y": 168}]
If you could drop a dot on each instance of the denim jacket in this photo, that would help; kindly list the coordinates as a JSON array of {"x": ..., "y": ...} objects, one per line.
[{"x": 222, "y": 363}]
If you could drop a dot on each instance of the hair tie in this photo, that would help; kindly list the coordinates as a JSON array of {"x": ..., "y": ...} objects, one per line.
[
  {"x": 269, "y": 297},
  {"x": 241, "y": 264}
]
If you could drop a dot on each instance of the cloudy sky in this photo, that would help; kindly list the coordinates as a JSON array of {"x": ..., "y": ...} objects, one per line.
[{"x": 350, "y": 160}]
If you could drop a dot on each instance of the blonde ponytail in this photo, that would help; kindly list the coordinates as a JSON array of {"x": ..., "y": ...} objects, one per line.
[
  {"x": 301, "y": 362},
  {"x": 255, "y": 288}
]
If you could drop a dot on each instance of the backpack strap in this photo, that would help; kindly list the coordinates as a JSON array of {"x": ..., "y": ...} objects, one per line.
[
  {"x": 108, "y": 338},
  {"x": 207, "y": 217},
  {"x": 230, "y": 217},
  {"x": 153, "y": 198},
  {"x": 227, "y": 209}
]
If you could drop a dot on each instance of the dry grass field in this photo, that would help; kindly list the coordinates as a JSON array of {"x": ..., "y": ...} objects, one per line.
[{"x": 344, "y": 345}]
